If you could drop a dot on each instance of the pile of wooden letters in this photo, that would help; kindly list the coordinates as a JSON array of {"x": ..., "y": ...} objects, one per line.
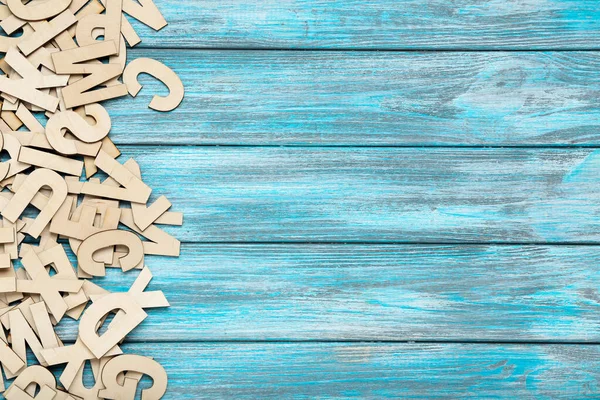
[{"x": 62, "y": 58}]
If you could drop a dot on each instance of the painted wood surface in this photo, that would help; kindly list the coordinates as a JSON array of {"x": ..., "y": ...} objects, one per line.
[
  {"x": 370, "y": 292},
  {"x": 257, "y": 315},
  {"x": 367, "y": 98},
  {"x": 378, "y": 25},
  {"x": 366, "y": 370},
  {"x": 254, "y": 194}
]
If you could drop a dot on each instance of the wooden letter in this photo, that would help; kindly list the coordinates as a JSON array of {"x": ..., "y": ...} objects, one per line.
[
  {"x": 34, "y": 182},
  {"x": 37, "y": 10},
  {"x": 51, "y": 161},
  {"x": 8, "y": 279},
  {"x": 74, "y": 356},
  {"x": 33, "y": 377},
  {"x": 85, "y": 392},
  {"x": 46, "y": 31},
  {"x": 134, "y": 189},
  {"x": 68, "y": 225},
  {"x": 132, "y": 362},
  {"x": 26, "y": 70},
  {"x": 146, "y": 12},
  {"x": 121, "y": 325},
  {"x": 144, "y": 216},
  {"x": 100, "y": 240},
  {"x": 160, "y": 72},
  {"x": 13, "y": 147},
  {"x": 4, "y": 167},
  {"x": 72, "y": 62},
  {"x": 50, "y": 288},
  {"x": 98, "y": 123},
  {"x": 21, "y": 333},
  {"x": 160, "y": 242},
  {"x": 110, "y": 22},
  {"x": 16, "y": 393},
  {"x": 9, "y": 358},
  {"x": 21, "y": 89},
  {"x": 145, "y": 299},
  {"x": 60, "y": 122}
]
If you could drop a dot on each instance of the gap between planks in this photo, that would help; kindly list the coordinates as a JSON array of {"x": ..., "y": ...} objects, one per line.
[
  {"x": 359, "y": 341},
  {"x": 394, "y": 243},
  {"x": 378, "y": 243},
  {"x": 367, "y": 50},
  {"x": 366, "y": 146}
]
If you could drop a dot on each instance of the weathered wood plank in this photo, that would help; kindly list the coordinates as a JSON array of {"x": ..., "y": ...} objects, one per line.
[
  {"x": 366, "y": 98},
  {"x": 382, "y": 24},
  {"x": 371, "y": 292},
  {"x": 334, "y": 370},
  {"x": 250, "y": 194}
]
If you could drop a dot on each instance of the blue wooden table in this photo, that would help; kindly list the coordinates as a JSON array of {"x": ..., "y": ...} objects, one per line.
[{"x": 383, "y": 199}]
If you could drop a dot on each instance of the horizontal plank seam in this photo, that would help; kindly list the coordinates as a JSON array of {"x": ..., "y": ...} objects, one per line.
[
  {"x": 351, "y": 341},
  {"x": 373, "y": 243},
  {"x": 400, "y": 146},
  {"x": 396, "y": 243},
  {"x": 371, "y": 50}
]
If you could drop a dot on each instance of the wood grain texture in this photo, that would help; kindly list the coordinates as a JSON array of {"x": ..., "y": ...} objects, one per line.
[
  {"x": 366, "y": 98},
  {"x": 413, "y": 292},
  {"x": 382, "y": 24},
  {"x": 339, "y": 371},
  {"x": 370, "y": 292},
  {"x": 249, "y": 194}
]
